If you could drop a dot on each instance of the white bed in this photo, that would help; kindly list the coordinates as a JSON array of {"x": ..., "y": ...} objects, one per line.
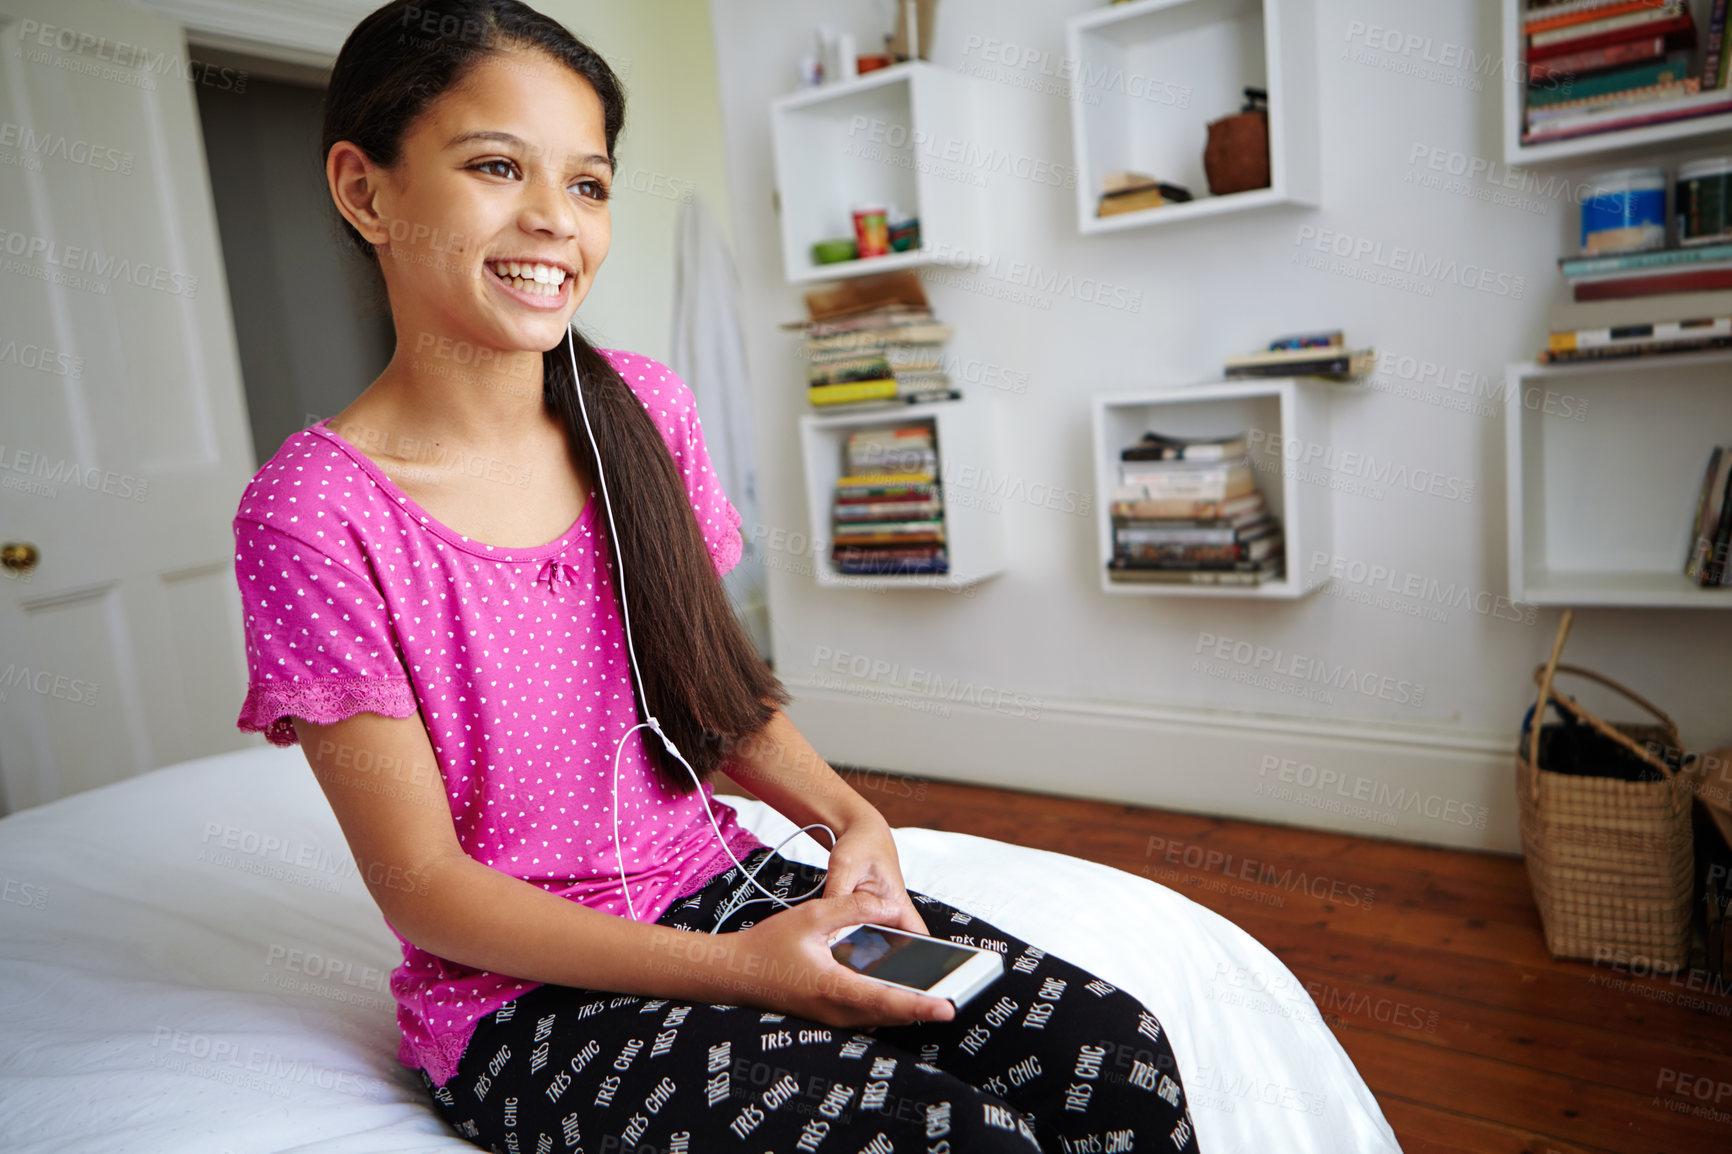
[{"x": 189, "y": 964}]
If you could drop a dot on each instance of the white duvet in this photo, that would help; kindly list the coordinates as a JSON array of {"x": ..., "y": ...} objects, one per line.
[{"x": 190, "y": 964}]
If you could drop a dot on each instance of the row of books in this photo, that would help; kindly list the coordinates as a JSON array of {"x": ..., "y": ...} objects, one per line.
[
  {"x": 1605, "y": 65},
  {"x": 1676, "y": 300},
  {"x": 1711, "y": 532},
  {"x": 1323, "y": 354},
  {"x": 888, "y": 513},
  {"x": 874, "y": 344},
  {"x": 1186, "y": 510}
]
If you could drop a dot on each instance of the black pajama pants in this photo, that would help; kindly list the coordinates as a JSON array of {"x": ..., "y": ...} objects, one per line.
[{"x": 1049, "y": 1058}]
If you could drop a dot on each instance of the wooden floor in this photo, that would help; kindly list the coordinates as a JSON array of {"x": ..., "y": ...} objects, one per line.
[{"x": 1439, "y": 986}]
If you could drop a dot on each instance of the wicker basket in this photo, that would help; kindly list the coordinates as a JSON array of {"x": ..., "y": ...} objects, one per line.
[{"x": 1611, "y": 861}]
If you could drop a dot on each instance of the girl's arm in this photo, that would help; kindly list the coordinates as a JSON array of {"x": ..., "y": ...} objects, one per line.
[
  {"x": 383, "y": 782},
  {"x": 780, "y": 767}
]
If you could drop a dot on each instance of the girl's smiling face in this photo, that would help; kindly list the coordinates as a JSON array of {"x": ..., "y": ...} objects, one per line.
[{"x": 504, "y": 172}]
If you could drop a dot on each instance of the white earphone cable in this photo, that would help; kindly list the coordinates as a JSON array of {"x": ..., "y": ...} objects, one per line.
[{"x": 652, "y": 723}]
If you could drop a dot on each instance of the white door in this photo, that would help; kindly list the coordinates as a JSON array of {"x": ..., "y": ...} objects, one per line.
[{"x": 123, "y": 438}]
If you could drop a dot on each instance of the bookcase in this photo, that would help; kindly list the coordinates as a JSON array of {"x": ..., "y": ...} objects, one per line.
[
  {"x": 1148, "y": 78},
  {"x": 1512, "y": 77},
  {"x": 1278, "y": 413},
  {"x": 891, "y": 136},
  {"x": 965, "y": 435},
  {"x": 1604, "y": 466}
]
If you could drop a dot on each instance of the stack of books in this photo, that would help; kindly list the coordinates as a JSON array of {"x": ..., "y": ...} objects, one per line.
[
  {"x": 1187, "y": 511},
  {"x": 888, "y": 514},
  {"x": 1675, "y": 300},
  {"x": 1130, "y": 191},
  {"x": 1711, "y": 532},
  {"x": 874, "y": 344},
  {"x": 1305, "y": 355},
  {"x": 1605, "y": 65}
]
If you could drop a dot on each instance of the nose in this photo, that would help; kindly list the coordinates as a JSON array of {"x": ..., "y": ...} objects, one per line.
[{"x": 547, "y": 208}]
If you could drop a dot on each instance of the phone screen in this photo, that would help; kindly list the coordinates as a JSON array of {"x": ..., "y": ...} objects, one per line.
[{"x": 906, "y": 959}]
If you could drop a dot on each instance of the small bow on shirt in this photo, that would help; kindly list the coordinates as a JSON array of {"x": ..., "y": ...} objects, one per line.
[{"x": 555, "y": 571}]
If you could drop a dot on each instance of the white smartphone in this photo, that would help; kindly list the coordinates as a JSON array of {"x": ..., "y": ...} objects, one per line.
[{"x": 930, "y": 965}]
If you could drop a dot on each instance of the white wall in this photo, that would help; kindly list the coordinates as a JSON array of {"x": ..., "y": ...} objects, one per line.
[
  {"x": 1121, "y": 712},
  {"x": 671, "y": 149}
]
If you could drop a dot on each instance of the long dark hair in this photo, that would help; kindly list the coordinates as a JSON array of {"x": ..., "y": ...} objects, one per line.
[{"x": 702, "y": 677}]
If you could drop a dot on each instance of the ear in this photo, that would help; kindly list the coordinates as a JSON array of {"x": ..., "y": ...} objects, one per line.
[{"x": 355, "y": 182}]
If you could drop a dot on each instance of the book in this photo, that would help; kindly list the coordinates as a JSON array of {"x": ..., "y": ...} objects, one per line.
[
  {"x": 1130, "y": 202},
  {"x": 1613, "y": 104},
  {"x": 1715, "y": 567},
  {"x": 887, "y": 482},
  {"x": 1563, "y": 70},
  {"x": 842, "y": 372},
  {"x": 1577, "y": 267},
  {"x": 1335, "y": 364},
  {"x": 892, "y": 403},
  {"x": 1144, "y": 196},
  {"x": 1662, "y": 21},
  {"x": 1636, "y": 349},
  {"x": 1197, "y": 556},
  {"x": 1328, "y": 339},
  {"x": 1711, "y": 530},
  {"x": 1714, "y": 48},
  {"x": 1688, "y": 331},
  {"x": 1569, "y": 316},
  {"x": 1252, "y": 574},
  {"x": 1707, "y": 519},
  {"x": 1237, "y": 485},
  {"x": 907, "y": 450},
  {"x": 1154, "y": 472},
  {"x": 1158, "y": 447},
  {"x": 1704, "y": 279},
  {"x": 1193, "y": 509},
  {"x": 852, "y": 391},
  {"x": 874, "y": 337},
  {"x": 1186, "y": 533},
  {"x": 1541, "y": 18},
  {"x": 886, "y": 510},
  {"x": 1686, "y": 107},
  {"x": 1587, "y": 90}
]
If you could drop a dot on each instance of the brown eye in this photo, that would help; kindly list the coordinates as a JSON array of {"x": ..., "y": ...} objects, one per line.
[
  {"x": 596, "y": 190},
  {"x": 484, "y": 165}
]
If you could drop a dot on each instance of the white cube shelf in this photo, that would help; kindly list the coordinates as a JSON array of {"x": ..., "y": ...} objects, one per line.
[
  {"x": 1286, "y": 410},
  {"x": 965, "y": 438},
  {"x": 881, "y": 138},
  {"x": 1650, "y": 138},
  {"x": 1149, "y": 76},
  {"x": 1600, "y": 507}
]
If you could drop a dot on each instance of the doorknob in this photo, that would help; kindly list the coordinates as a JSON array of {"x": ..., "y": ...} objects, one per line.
[{"x": 18, "y": 556}]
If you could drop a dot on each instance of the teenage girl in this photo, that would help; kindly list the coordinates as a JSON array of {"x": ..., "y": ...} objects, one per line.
[{"x": 433, "y": 613}]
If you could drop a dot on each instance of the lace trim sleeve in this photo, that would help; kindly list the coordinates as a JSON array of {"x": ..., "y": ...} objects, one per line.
[{"x": 270, "y": 705}]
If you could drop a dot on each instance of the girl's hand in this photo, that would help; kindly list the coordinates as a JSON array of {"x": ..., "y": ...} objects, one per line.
[
  {"x": 790, "y": 949},
  {"x": 864, "y": 860}
]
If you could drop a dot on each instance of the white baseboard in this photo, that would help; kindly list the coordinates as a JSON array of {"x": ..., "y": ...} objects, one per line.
[{"x": 1403, "y": 782}]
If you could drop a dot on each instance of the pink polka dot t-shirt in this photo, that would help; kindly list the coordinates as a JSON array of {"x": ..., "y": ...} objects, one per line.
[{"x": 356, "y": 600}]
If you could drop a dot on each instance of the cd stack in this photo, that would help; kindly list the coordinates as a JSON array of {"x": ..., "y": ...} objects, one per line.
[{"x": 888, "y": 515}]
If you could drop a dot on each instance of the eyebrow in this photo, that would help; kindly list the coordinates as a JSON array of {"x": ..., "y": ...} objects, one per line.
[{"x": 518, "y": 141}]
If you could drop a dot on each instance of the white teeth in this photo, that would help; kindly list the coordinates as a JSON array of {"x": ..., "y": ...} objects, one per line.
[{"x": 536, "y": 279}]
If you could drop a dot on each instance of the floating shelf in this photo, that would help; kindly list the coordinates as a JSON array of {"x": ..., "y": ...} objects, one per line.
[
  {"x": 879, "y": 138},
  {"x": 965, "y": 437},
  {"x": 1605, "y": 463},
  {"x": 1283, "y": 408},
  {"x": 1150, "y": 76},
  {"x": 1629, "y": 140}
]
